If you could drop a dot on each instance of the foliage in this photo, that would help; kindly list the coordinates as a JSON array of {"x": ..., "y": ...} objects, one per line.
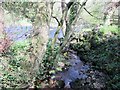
[
  {"x": 28, "y": 10},
  {"x": 96, "y": 10},
  {"x": 102, "y": 49},
  {"x": 73, "y": 11},
  {"x": 107, "y": 29},
  {"x": 23, "y": 57},
  {"x": 49, "y": 65},
  {"x": 5, "y": 43},
  {"x": 17, "y": 70},
  {"x": 36, "y": 12}
]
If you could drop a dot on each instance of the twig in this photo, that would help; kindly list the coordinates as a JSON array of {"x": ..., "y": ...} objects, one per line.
[
  {"x": 91, "y": 14},
  {"x": 56, "y": 20}
]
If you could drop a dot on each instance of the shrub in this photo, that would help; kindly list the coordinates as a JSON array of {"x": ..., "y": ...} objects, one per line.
[
  {"x": 49, "y": 65},
  {"x": 5, "y": 43},
  {"x": 103, "y": 50},
  {"x": 14, "y": 72}
]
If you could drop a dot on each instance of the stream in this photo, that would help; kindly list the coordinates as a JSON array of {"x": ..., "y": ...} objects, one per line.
[
  {"x": 81, "y": 72},
  {"x": 78, "y": 71}
]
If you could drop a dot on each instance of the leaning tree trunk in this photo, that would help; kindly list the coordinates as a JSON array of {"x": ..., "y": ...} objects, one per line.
[{"x": 70, "y": 19}]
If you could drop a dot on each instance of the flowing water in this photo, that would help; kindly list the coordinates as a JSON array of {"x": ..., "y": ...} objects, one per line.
[
  {"x": 76, "y": 70},
  {"x": 81, "y": 71}
]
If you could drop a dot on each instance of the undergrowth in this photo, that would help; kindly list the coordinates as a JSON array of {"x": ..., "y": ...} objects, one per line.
[{"x": 102, "y": 49}]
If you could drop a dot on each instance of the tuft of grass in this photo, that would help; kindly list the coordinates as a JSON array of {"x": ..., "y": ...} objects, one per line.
[{"x": 108, "y": 29}]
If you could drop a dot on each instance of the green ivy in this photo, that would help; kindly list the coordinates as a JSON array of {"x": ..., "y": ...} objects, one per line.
[{"x": 103, "y": 50}]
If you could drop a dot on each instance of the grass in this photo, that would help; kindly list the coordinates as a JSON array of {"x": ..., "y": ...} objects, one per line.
[{"x": 108, "y": 29}]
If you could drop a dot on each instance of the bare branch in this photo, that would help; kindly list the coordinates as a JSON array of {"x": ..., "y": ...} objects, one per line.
[
  {"x": 91, "y": 14},
  {"x": 69, "y": 4},
  {"x": 56, "y": 20},
  {"x": 84, "y": 3}
]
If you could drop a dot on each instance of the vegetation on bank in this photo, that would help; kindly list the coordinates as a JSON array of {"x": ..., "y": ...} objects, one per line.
[
  {"x": 102, "y": 49},
  {"x": 32, "y": 63}
]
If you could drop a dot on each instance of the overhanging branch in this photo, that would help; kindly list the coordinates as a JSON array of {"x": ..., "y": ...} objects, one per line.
[
  {"x": 56, "y": 20},
  {"x": 91, "y": 14}
]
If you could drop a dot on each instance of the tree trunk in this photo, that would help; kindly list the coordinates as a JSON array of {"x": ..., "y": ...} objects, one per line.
[
  {"x": 39, "y": 41},
  {"x": 1, "y": 21}
]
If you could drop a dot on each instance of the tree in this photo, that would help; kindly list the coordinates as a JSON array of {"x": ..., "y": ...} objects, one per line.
[
  {"x": 1, "y": 20},
  {"x": 37, "y": 13},
  {"x": 70, "y": 13}
]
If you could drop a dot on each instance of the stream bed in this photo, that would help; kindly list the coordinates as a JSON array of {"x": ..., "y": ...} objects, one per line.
[{"x": 80, "y": 75}]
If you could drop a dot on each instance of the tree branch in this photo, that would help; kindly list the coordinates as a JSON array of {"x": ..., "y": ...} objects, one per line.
[
  {"x": 91, "y": 14},
  {"x": 56, "y": 20},
  {"x": 83, "y": 4},
  {"x": 69, "y": 4}
]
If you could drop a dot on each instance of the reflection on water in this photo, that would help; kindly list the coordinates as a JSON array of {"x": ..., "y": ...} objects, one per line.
[{"x": 77, "y": 70}]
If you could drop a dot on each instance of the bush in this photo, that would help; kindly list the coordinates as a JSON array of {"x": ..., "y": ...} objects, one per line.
[
  {"x": 5, "y": 43},
  {"x": 49, "y": 65},
  {"x": 15, "y": 62},
  {"x": 103, "y": 50}
]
